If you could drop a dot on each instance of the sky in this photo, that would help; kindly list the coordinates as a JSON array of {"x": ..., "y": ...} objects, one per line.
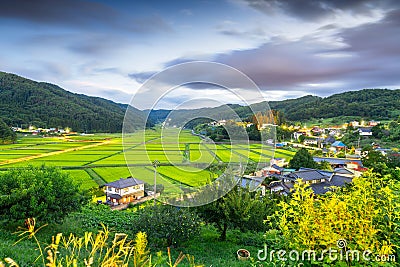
[{"x": 288, "y": 48}]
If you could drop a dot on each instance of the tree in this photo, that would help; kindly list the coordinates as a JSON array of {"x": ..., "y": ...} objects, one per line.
[
  {"x": 167, "y": 225},
  {"x": 6, "y": 134},
  {"x": 324, "y": 165},
  {"x": 44, "y": 193},
  {"x": 365, "y": 214},
  {"x": 372, "y": 158},
  {"x": 238, "y": 209},
  {"x": 253, "y": 133},
  {"x": 302, "y": 159}
]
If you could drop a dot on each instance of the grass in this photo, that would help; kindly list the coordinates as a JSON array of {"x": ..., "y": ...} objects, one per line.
[
  {"x": 187, "y": 175},
  {"x": 106, "y": 161},
  {"x": 206, "y": 248},
  {"x": 82, "y": 177}
]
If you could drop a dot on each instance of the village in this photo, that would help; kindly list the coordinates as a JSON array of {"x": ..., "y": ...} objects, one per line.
[{"x": 342, "y": 162}]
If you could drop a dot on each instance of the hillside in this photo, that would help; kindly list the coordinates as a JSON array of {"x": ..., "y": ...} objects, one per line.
[
  {"x": 26, "y": 102},
  {"x": 367, "y": 103}
]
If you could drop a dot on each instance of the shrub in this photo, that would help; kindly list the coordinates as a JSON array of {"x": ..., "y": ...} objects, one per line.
[
  {"x": 45, "y": 193},
  {"x": 168, "y": 225}
]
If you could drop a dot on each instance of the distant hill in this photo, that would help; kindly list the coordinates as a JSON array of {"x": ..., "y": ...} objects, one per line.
[
  {"x": 367, "y": 103},
  {"x": 26, "y": 102}
]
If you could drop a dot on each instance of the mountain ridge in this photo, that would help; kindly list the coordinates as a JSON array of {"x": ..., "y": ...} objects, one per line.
[{"x": 27, "y": 102}]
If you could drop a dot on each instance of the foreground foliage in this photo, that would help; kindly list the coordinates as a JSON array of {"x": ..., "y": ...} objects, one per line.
[
  {"x": 366, "y": 216},
  {"x": 42, "y": 192},
  {"x": 101, "y": 249},
  {"x": 239, "y": 209},
  {"x": 165, "y": 225}
]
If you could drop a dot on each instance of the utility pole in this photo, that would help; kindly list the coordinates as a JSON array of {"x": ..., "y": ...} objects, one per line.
[{"x": 155, "y": 165}]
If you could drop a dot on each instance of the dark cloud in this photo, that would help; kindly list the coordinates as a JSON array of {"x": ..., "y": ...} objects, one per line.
[
  {"x": 79, "y": 13},
  {"x": 368, "y": 57},
  {"x": 318, "y": 9},
  {"x": 59, "y": 12},
  {"x": 141, "y": 77}
]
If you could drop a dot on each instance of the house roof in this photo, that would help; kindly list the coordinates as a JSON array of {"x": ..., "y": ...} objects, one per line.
[
  {"x": 123, "y": 183},
  {"x": 320, "y": 188},
  {"x": 338, "y": 180},
  {"x": 307, "y": 175},
  {"x": 343, "y": 171},
  {"x": 277, "y": 167},
  {"x": 330, "y": 139},
  {"x": 337, "y": 161},
  {"x": 338, "y": 144},
  {"x": 365, "y": 129},
  {"x": 251, "y": 182}
]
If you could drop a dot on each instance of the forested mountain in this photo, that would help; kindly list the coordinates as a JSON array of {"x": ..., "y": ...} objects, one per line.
[
  {"x": 367, "y": 103},
  {"x": 26, "y": 102}
]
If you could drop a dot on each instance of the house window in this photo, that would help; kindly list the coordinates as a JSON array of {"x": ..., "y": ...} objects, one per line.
[
  {"x": 126, "y": 190},
  {"x": 116, "y": 190},
  {"x": 314, "y": 181}
]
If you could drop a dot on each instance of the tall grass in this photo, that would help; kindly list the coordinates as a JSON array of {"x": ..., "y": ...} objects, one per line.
[{"x": 101, "y": 249}]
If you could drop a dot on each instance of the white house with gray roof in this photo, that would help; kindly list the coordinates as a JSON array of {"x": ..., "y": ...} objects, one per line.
[{"x": 124, "y": 191}]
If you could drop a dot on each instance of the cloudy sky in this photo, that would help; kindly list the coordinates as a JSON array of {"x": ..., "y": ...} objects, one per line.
[{"x": 288, "y": 48}]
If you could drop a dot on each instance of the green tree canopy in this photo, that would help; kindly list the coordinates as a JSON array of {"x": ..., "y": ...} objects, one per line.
[
  {"x": 238, "y": 209},
  {"x": 6, "y": 134},
  {"x": 45, "y": 193},
  {"x": 302, "y": 159}
]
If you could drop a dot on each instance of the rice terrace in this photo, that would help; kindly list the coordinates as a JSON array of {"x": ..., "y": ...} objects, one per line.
[{"x": 93, "y": 160}]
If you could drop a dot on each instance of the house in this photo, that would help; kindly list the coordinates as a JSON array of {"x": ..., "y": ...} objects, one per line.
[
  {"x": 365, "y": 131},
  {"x": 310, "y": 141},
  {"x": 354, "y": 123},
  {"x": 338, "y": 145},
  {"x": 124, "y": 191},
  {"x": 275, "y": 169},
  {"x": 253, "y": 183},
  {"x": 279, "y": 145},
  {"x": 319, "y": 181},
  {"x": 317, "y": 131},
  {"x": 278, "y": 161},
  {"x": 373, "y": 123},
  {"x": 340, "y": 162},
  {"x": 329, "y": 140},
  {"x": 296, "y": 135}
]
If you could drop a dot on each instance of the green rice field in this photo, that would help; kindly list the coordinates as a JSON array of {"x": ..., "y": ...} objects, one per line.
[{"x": 93, "y": 160}]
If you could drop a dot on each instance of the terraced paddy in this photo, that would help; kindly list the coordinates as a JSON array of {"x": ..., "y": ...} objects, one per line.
[{"x": 93, "y": 160}]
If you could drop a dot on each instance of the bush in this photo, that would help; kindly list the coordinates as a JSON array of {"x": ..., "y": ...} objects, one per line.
[
  {"x": 168, "y": 225},
  {"x": 41, "y": 192}
]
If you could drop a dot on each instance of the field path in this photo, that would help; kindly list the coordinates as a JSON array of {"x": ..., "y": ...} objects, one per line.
[{"x": 10, "y": 161}]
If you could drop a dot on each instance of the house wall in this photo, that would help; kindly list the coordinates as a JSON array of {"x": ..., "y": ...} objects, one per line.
[{"x": 132, "y": 189}]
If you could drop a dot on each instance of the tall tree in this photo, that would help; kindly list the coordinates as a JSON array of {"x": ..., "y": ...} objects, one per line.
[
  {"x": 302, "y": 159},
  {"x": 6, "y": 134}
]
